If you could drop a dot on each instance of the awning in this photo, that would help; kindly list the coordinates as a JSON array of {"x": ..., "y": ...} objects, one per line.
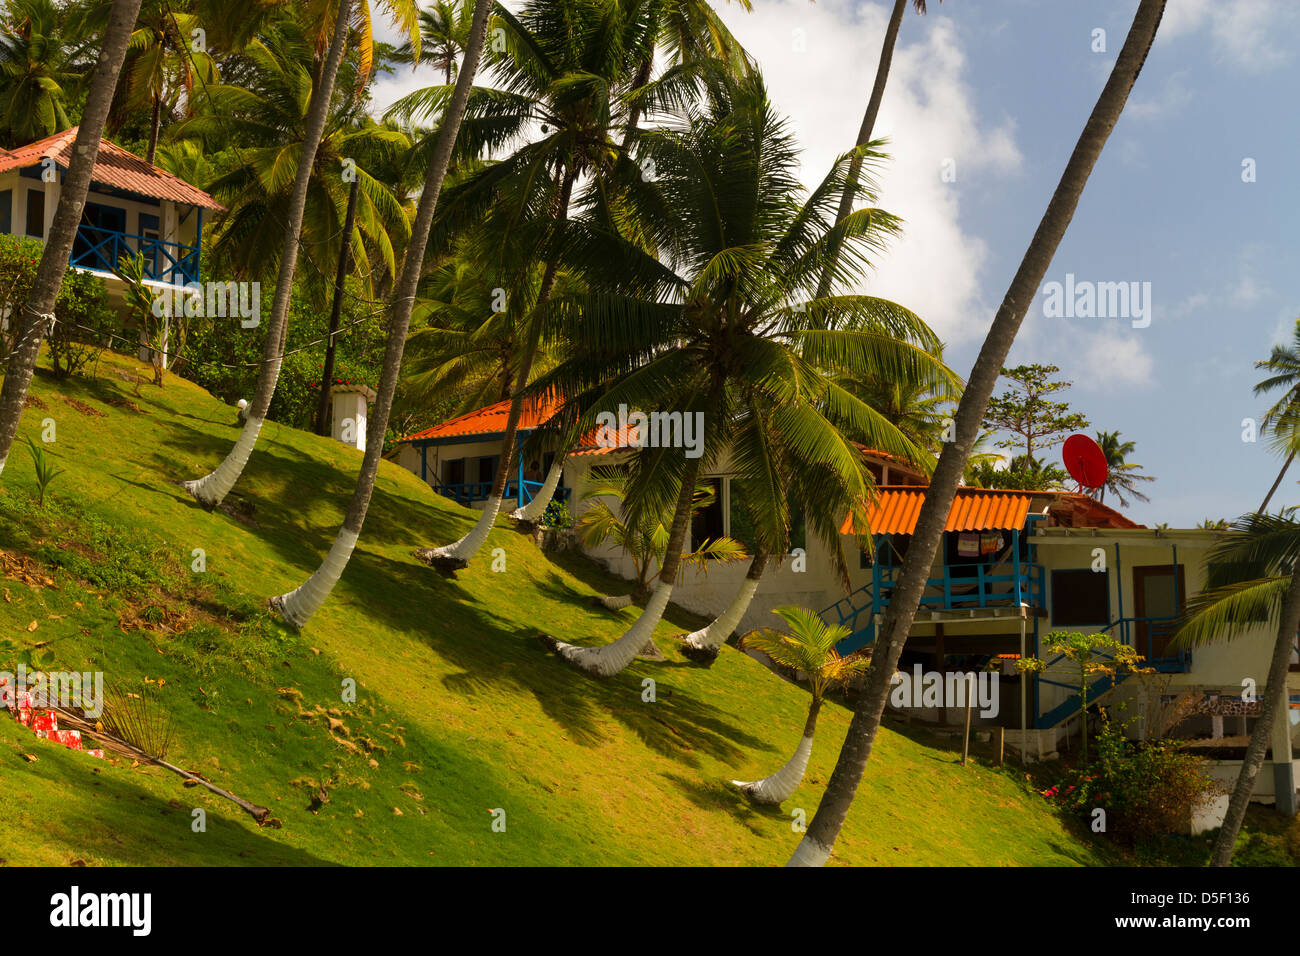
[{"x": 896, "y": 510}]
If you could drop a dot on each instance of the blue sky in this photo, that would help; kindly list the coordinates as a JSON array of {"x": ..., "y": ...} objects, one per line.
[{"x": 999, "y": 90}]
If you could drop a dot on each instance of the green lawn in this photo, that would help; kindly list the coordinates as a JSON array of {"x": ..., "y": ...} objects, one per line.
[{"x": 459, "y": 710}]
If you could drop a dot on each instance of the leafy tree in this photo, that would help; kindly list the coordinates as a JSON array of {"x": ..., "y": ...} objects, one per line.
[
  {"x": 1092, "y": 656},
  {"x": 1029, "y": 413}
]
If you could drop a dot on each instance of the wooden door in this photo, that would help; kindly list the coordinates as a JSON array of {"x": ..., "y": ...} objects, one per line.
[{"x": 1159, "y": 592}]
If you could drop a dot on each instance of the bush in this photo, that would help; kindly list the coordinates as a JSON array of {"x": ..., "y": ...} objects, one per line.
[
  {"x": 85, "y": 321},
  {"x": 557, "y": 515},
  {"x": 1147, "y": 789}
]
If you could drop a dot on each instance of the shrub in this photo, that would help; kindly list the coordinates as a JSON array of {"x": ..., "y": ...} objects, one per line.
[
  {"x": 557, "y": 515},
  {"x": 1147, "y": 788},
  {"x": 84, "y": 325}
]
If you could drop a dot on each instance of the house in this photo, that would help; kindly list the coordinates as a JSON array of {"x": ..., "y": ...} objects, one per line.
[
  {"x": 132, "y": 208},
  {"x": 1014, "y": 566}
]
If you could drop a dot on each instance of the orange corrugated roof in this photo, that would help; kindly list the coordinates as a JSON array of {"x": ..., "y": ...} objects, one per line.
[
  {"x": 896, "y": 510},
  {"x": 114, "y": 167},
  {"x": 491, "y": 420}
]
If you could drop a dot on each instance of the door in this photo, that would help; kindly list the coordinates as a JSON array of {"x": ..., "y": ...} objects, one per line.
[
  {"x": 1160, "y": 593},
  {"x": 97, "y": 241}
]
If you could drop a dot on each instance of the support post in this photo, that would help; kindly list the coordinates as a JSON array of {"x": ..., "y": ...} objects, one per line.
[{"x": 970, "y": 694}]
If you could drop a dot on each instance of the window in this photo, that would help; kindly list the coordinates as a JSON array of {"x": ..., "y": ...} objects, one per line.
[
  {"x": 706, "y": 523},
  {"x": 487, "y": 468},
  {"x": 6, "y": 210},
  {"x": 453, "y": 472},
  {"x": 1081, "y": 598},
  {"x": 36, "y": 213}
]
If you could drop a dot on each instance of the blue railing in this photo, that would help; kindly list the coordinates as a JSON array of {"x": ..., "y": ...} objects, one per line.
[
  {"x": 1023, "y": 584},
  {"x": 102, "y": 249},
  {"x": 467, "y": 493}
]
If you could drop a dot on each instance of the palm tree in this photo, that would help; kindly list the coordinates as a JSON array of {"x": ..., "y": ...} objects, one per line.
[
  {"x": 212, "y": 489},
  {"x": 869, "y": 117},
  {"x": 1283, "y": 418},
  {"x": 1121, "y": 476},
  {"x": 444, "y": 31},
  {"x": 299, "y": 605},
  {"x": 161, "y": 68},
  {"x": 38, "y": 72},
  {"x": 718, "y": 323},
  {"x": 266, "y": 117},
  {"x": 37, "y": 311},
  {"x": 564, "y": 69},
  {"x": 646, "y": 542},
  {"x": 1258, "y": 558},
  {"x": 808, "y": 648},
  {"x": 916, "y": 408},
  {"x": 819, "y": 839}
]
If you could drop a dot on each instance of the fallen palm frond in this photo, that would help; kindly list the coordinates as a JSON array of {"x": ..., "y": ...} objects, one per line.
[{"x": 136, "y": 726}]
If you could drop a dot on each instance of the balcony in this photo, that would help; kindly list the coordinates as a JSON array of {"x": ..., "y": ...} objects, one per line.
[
  {"x": 100, "y": 249},
  {"x": 472, "y": 492}
]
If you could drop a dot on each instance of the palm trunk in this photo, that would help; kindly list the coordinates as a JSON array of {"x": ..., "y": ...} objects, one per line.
[
  {"x": 212, "y": 489},
  {"x": 298, "y": 606},
  {"x": 532, "y": 512},
  {"x": 1269, "y": 497},
  {"x": 155, "y": 124},
  {"x": 818, "y": 842},
  {"x": 608, "y": 660},
  {"x": 864, "y": 134},
  {"x": 702, "y": 646},
  {"x": 781, "y": 786},
  {"x": 1272, "y": 710},
  {"x": 336, "y": 311},
  {"x": 37, "y": 313},
  {"x": 453, "y": 557}
]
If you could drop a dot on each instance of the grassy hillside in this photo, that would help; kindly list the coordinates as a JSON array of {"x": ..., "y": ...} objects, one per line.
[{"x": 459, "y": 710}]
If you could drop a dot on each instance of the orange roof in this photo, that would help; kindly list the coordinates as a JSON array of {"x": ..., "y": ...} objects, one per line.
[
  {"x": 114, "y": 167},
  {"x": 1091, "y": 513},
  {"x": 897, "y": 508},
  {"x": 490, "y": 420}
]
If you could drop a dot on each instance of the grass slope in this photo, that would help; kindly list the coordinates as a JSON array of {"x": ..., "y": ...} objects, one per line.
[{"x": 459, "y": 711}]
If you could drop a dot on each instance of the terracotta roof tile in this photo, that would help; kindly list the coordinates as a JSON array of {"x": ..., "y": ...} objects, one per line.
[
  {"x": 896, "y": 510},
  {"x": 114, "y": 167}
]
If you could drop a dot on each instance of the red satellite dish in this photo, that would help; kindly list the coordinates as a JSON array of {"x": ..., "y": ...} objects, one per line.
[{"x": 1085, "y": 461}]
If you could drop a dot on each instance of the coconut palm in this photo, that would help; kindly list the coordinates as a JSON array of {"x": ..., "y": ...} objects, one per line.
[
  {"x": 299, "y": 157},
  {"x": 819, "y": 839},
  {"x": 299, "y": 605},
  {"x": 808, "y": 648},
  {"x": 646, "y": 542},
  {"x": 444, "y": 31},
  {"x": 37, "y": 312},
  {"x": 1256, "y": 558},
  {"x": 917, "y": 409},
  {"x": 39, "y": 75},
  {"x": 267, "y": 118},
  {"x": 873, "y": 109},
  {"x": 163, "y": 65},
  {"x": 1121, "y": 475},
  {"x": 1283, "y": 419},
  {"x": 564, "y": 67},
  {"x": 719, "y": 321}
]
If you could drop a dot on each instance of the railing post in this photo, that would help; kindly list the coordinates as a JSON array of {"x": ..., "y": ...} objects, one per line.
[{"x": 1015, "y": 563}]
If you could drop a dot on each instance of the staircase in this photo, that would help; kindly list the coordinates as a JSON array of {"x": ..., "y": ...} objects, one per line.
[{"x": 856, "y": 612}]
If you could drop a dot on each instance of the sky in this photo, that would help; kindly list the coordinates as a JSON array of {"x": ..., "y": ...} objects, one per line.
[{"x": 1190, "y": 200}]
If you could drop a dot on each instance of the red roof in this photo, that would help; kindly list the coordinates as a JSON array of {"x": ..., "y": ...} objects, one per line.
[
  {"x": 114, "y": 167},
  {"x": 492, "y": 421},
  {"x": 896, "y": 510}
]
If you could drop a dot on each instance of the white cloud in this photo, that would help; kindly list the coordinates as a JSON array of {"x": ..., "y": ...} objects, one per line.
[
  {"x": 1246, "y": 33},
  {"x": 929, "y": 116}
]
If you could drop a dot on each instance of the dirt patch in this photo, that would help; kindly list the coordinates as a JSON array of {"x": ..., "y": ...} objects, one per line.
[
  {"x": 20, "y": 567},
  {"x": 125, "y": 403},
  {"x": 34, "y": 401},
  {"x": 241, "y": 509},
  {"x": 83, "y": 407}
]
